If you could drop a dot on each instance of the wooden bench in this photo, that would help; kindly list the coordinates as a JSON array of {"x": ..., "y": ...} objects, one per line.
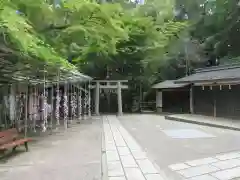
[{"x": 11, "y": 139}]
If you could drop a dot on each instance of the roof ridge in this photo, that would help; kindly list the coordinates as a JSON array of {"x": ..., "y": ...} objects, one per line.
[{"x": 218, "y": 68}]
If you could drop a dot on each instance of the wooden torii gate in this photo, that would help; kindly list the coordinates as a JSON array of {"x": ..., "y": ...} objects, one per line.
[{"x": 108, "y": 85}]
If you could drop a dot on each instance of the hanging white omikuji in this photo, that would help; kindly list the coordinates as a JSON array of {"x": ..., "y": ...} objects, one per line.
[
  {"x": 57, "y": 107},
  {"x": 85, "y": 104},
  {"x": 35, "y": 109},
  {"x": 74, "y": 104},
  {"x": 80, "y": 104},
  {"x": 65, "y": 106}
]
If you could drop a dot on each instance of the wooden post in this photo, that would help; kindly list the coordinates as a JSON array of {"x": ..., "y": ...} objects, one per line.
[
  {"x": 191, "y": 100},
  {"x": 70, "y": 97},
  {"x": 214, "y": 103},
  {"x": 26, "y": 112},
  {"x": 97, "y": 92},
  {"x": 85, "y": 101},
  {"x": 89, "y": 100},
  {"x": 159, "y": 103},
  {"x": 119, "y": 94},
  {"x": 52, "y": 100}
]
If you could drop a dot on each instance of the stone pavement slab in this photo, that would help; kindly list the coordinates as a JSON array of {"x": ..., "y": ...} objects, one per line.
[
  {"x": 179, "y": 166},
  {"x": 117, "y": 178},
  {"x": 227, "y": 164},
  {"x": 128, "y": 161},
  {"x": 147, "y": 167},
  {"x": 139, "y": 154},
  {"x": 186, "y": 134},
  {"x": 196, "y": 171},
  {"x": 123, "y": 151},
  {"x": 203, "y": 161},
  {"x": 112, "y": 155},
  {"x": 228, "y": 156},
  {"x": 134, "y": 174},
  {"x": 176, "y": 155},
  {"x": 74, "y": 154},
  {"x": 153, "y": 177},
  {"x": 134, "y": 163},
  {"x": 227, "y": 174},
  {"x": 210, "y": 168},
  {"x": 203, "y": 177},
  {"x": 115, "y": 169}
]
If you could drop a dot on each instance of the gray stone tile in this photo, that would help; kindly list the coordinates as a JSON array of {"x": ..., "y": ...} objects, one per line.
[
  {"x": 227, "y": 174},
  {"x": 115, "y": 168},
  {"x": 228, "y": 156},
  {"x": 187, "y": 133},
  {"x": 117, "y": 178},
  {"x": 154, "y": 177},
  {"x": 112, "y": 155},
  {"x": 227, "y": 164},
  {"x": 139, "y": 154},
  {"x": 179, "y": 166},
  {"x": 147, "y": 167},
  {"x": 198, "y": 170},
  {"x": 110, "y": 147},
  {"x": 128, "y": 161},
  {"x": 203, "y": 177},
  {"x": 202, "y": 161},
  {"x": 120, "y": 142},
  {"x": 133, "y": 146},
  {"x": 134, "y": 174},
  {"x": 110, "y": 142},
  {"x": 123, "y": 151}
]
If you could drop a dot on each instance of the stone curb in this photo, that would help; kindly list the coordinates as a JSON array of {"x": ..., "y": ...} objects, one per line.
[
  {"x": 104, "y": 168},
  {"x": 201, "y": 123}
]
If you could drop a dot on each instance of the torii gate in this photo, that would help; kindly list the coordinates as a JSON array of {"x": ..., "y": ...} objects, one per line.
[{"x": 110, "y": 85}]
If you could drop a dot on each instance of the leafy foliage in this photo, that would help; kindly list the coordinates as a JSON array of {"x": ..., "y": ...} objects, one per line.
[{"x": 116, "y": 40}]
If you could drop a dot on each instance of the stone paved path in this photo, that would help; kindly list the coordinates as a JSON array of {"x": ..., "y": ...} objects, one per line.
[
  {"x": 74, "y": 154},
  {"x": 219, "y": 167},
  {"x": 130, "y": 147},
  {"x": 186, "y": 151},
  {"x": 125, "y": 158}
]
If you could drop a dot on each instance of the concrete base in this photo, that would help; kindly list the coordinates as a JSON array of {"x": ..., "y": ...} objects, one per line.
[
  {"x": 159, "y": 109},
  {"x": 203, "y": 122}
]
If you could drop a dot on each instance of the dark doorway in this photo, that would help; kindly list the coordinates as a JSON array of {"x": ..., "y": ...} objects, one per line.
[
  {"x": 176, "y": 101},
  {"x": 203, "y": 101},
  {"x": 108, "y": 102}
]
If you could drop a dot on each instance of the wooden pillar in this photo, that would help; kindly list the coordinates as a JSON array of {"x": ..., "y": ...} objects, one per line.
[
  {"x": 85, "y": 101},
  {"x": 89, "y": 100},
  {"x": 119, "y": 94},
  {"x": 214, "y": 102},
  {"x": 97, "y": 93},
  {"x": 159, "y": 103},
  {"x": 26, "y": 112},
  {"x": 52, "y": 115},
  {"x": 191, "y": 100}
]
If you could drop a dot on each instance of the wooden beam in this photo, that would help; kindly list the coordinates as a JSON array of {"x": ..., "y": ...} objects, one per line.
[
  {"x": 109, "y": 86},
  {"x": 105, "y": 81}
]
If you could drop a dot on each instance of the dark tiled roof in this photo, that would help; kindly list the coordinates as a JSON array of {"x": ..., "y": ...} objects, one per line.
[
  {"x": 213, "y": 74},
  {"x": 169, "y": 85}
]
